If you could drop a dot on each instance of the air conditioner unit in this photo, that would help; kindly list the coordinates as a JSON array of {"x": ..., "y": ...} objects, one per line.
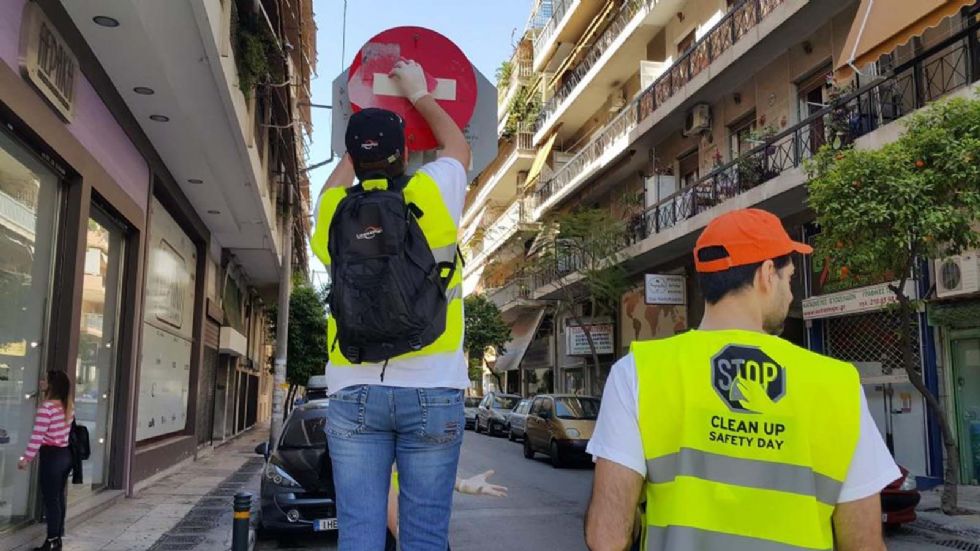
[
  {"x": 617, "y": 100},
  {"x": 958, "y": 275},
  {"x": 698, "y": 119}
]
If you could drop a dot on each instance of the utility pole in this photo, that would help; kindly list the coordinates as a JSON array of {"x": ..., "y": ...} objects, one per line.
[{"x": 282, "y": 323}]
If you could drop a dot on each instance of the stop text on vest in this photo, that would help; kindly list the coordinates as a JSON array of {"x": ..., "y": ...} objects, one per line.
[{"x": 763, "y": 373}]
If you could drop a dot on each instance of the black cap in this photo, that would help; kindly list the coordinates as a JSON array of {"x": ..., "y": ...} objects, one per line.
[{"x": 376, "y": 142}]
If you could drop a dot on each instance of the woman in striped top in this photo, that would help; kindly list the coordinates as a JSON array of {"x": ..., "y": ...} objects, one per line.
[{"x": 49, "y": 441}]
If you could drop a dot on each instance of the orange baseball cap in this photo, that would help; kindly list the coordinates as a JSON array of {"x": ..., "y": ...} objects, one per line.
[{"x": 749, "y": 236}]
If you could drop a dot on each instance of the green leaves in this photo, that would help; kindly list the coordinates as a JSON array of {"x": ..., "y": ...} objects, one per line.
[
  {"x": 484, "y": 328},
  {"x": 880, "y": 210},
  {"x": 307, "y": 346}
]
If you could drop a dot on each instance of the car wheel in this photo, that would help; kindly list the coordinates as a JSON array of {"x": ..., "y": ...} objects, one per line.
[
  {"x": 528, "y": 450},
  {"x": 556, "y": 461},
  {"x": 510, "y": 434},
  {"x": 476, "y": 425},
  {"x": 262, "y": 533}
]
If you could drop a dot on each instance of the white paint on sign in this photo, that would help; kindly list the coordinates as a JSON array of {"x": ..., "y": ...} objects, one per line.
[{"x": 384, "y": 86}]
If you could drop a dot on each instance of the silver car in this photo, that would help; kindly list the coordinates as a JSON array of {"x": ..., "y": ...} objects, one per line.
[
  {"x": 517, "y": 420},
  {"x": 470, "y": 405}
]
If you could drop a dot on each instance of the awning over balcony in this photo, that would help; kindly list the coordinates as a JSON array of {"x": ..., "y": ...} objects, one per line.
[
  {"x": 540, "y": 159},
  {"x": 880, "y": 26},
  {"x": 522, "y": 332}
]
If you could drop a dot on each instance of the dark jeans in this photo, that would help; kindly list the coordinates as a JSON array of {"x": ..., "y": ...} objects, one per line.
[{"x": 55, "y": 466}]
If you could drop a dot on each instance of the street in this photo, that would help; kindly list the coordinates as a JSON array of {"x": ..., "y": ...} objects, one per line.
[{"x": 543, "y": 510}]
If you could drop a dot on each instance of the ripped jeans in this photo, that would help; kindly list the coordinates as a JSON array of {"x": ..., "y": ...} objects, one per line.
[{"x": 371, "y": 427}]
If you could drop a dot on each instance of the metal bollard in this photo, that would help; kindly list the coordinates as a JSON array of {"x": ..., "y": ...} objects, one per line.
[{"x": 242, "y": 516}]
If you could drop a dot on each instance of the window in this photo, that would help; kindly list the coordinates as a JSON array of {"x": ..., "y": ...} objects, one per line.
[
  {"x": 504, "y": 402},
  {"x": 537, "y": 406},
  {"x": 688, "y": 168},
  {"x": 578, "y": 408},
  {"x": 686, "y": 43},
  {"x": 305, "y": 432},
  {"x": 740, "y": 136}
]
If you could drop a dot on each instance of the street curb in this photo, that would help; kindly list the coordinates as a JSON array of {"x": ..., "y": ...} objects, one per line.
[{"x": 925, "y": 524}]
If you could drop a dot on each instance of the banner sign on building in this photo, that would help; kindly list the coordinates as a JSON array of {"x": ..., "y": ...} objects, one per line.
[
  {"x": 665, "y": 289},
  {"x": 578, "y": 342},
  {"x": 854, "y": 301}
]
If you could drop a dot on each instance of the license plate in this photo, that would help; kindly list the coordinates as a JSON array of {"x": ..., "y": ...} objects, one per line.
[{"x": 324, "y": 525}]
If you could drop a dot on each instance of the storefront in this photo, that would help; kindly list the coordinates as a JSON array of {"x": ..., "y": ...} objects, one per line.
[{"x": 73, "y": 208}]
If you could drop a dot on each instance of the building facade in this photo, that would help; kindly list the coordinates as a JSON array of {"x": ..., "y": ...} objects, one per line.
[
  {"x": 670, "y": 112},
  {"x": 143, "y": 172}
]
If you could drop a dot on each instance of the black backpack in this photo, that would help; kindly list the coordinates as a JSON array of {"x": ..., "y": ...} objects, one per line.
[{"x": 388, "y": 293}]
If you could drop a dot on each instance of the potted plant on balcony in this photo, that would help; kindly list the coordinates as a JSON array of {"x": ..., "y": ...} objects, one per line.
[{"x": 755, "y": 167}]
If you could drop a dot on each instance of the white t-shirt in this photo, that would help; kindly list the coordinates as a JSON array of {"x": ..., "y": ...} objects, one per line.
[
  {"x": 445, "y": 370},
  {"x": 617, "y": 437}
]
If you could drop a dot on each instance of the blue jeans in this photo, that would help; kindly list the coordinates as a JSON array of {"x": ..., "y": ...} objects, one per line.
[{"x": 371, "y": 427}]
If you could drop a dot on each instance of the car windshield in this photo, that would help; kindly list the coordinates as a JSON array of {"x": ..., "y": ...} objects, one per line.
[
  {"x": 472, "y": 402},
  {"x": 305, "y": 432},
  {"x": 505, "y": 402},
  {"x": 577, "y": 408}
]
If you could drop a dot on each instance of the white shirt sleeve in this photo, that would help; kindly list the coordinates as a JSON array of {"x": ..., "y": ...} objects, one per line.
[
  {"x": 872, "y": 467},
  {"x": 450, "y": 176},
  {"x": 617, "y": 431}
]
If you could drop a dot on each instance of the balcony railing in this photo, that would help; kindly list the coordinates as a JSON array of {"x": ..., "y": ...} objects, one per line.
[
  {"x": 736, "y": 23},
  {"x": 517, "y": 288},
  {"x": 558, "y": 10},
  {"x": 520, "y": 72},
  {"x": 588, "y": 158},
  {"x": 626, "y": 13},
  {"x": 733, "y": 26},
  {"x": 945, "y": 68},
  {"x": 501, "y": 230}
]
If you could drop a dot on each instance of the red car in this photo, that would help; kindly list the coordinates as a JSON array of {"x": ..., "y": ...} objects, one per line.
[{"x": 898, "y": 500}]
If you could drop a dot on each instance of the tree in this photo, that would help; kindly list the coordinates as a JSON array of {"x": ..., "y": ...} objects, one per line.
[
  {"x": 882, "y": 212},
  {"x": 585, "y": 258},
  {"x": 484, "y": 328},
  {"x": 307, "y": 342}
]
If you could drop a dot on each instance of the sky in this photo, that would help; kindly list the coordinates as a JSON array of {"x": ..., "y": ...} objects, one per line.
[{"x": 485, "y": 30}]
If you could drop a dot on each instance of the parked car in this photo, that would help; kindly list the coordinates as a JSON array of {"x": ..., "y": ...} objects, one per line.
[
  {"x": 560, "y": 425},
  {"x": 898, "y": 500},
  {"x": 297, "y": 491},
  {"x": 470, "y": 405},
  {"x": 490, "y": 415},
  {"x": 517, "y": 420},
  {"x": 316, "y": 387}
]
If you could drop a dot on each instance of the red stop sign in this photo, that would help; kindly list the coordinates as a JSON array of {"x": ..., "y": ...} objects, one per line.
[{"x": 448, "y": 73}]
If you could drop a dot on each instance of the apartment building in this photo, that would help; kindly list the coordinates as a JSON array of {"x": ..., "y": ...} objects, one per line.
[
  {"x": 698, "y": 107},
  {"x": 144, "y": 167}
]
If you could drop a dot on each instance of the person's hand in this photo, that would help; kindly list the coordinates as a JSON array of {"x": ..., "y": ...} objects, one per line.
[
  {"x": 478, "y": 485},
  {"x": 22, "y": 464},
  {"x": 410, "y": 79}
]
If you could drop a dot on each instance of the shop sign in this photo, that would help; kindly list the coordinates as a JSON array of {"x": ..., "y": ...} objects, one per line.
[
  {"x": 665, "y": 289},
  {"x": 578, "y": 344},
  {"x": 47, "y": 62},
  {"x": 854, "y": 301}
]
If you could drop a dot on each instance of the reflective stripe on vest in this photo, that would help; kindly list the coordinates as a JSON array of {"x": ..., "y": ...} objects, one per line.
[
  {"x": 747, "y": 440},
  {"x": 440, "y": 232}
]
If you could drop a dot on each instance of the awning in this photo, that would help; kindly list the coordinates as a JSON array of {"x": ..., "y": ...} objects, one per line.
[
  {"x": 539, "y": 159},
  {"x": 880, "y": 26},
  {"x": 522, "y": 331}
]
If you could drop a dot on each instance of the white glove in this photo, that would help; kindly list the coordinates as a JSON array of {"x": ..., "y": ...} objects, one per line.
[
  {"x": 410, "y": 80},
  {"x": 478, "y": 485}
]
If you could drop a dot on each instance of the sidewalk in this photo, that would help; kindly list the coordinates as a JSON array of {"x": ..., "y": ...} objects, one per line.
[
  {"x": 931, "y": 517},
  {"x": 180, "y": 511}
]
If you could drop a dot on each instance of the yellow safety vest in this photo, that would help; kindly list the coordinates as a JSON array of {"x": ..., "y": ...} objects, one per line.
[
  {"x": 440, "y": 232},
  {"x": 747, "y": 438}
]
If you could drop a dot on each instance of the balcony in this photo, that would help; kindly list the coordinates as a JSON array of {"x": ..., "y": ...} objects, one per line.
[
  {"x": 501, "y": 182},
  {"x": 518, "y": 288},
  {"x": 513, "y": 220},
  {"x": 518, "y": 74},
  {"x": 610, "y": 142},
  {"x": 950, "y": 66},
  {"x": 607, "y": 144},
  {"x": 553, "y": 29},
  {"x": 608, "y": 62},
  {"x": 720, "y": 39}
]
